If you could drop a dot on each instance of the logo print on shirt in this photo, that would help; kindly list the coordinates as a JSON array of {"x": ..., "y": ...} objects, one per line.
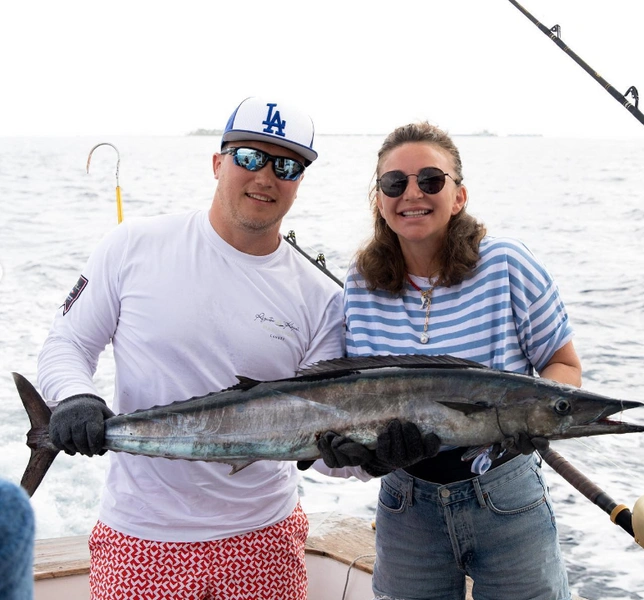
[
  {"x": 277, "y": 329},
  {"x": 273, "y": 119},
  {"x": 81, "y": 284}
]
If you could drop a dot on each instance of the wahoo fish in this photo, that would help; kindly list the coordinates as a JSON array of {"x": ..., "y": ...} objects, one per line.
[{"x": 462, "y": 402}]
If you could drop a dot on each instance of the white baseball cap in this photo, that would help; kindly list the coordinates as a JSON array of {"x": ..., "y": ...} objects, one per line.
[{"x": 274, "y": 122}]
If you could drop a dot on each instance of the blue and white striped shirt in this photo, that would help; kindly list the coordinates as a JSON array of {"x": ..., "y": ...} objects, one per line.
[{"x": 507, "y": 315}]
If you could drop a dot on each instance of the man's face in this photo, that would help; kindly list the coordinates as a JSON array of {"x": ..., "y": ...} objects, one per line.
[{"x": 251, "y": 201}]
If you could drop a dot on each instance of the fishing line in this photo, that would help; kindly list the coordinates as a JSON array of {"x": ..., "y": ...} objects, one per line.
[{"x": 596, "y": 450}]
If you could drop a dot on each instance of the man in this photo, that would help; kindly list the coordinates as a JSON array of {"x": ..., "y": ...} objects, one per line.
[{"x": 190, "y": 301}]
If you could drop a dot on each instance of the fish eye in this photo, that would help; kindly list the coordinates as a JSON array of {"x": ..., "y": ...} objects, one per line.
[{"x": 563, "y": 407}]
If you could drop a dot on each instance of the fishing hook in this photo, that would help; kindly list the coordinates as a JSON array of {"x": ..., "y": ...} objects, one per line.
[{"x": 119, "y": 204}]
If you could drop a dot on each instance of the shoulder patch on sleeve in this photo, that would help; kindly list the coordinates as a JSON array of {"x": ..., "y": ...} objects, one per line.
[{"x": 81, "y": 284}]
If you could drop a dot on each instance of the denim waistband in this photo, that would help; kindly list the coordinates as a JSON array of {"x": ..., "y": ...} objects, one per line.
[
  {"x": 447, "y": 466},
  {"x": 462, "y": 490}
]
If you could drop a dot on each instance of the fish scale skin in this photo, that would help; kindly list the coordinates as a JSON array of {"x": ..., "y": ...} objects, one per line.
[{"x": 283, "y": 420}]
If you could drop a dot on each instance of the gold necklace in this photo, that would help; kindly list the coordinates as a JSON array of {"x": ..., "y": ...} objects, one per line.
[{"x": 426, "y": 303}]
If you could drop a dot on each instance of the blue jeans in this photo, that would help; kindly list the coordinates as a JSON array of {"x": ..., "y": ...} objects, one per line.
[
  {"x": 499, "y": 528},
  {"x": 17, "y": 529}
]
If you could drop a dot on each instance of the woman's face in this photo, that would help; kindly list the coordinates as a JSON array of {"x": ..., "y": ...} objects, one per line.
[{"x": 418, "y": 217}]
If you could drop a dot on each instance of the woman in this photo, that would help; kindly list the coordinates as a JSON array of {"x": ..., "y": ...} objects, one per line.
[{"x": 430, "y": 281}]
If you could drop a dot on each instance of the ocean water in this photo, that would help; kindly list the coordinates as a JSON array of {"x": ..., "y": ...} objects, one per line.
[{"x": 578, "y": 204}]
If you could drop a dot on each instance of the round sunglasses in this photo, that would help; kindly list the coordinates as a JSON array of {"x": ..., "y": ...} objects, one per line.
[
  {"x": 431, "y": 180},
  {"x": 287, "y": 169}
]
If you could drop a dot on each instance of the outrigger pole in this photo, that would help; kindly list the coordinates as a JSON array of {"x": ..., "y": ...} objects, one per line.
[{"x": 554, "y": 33}]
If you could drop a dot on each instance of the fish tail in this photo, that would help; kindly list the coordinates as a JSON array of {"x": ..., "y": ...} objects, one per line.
[{"x": 43, "y": 452}]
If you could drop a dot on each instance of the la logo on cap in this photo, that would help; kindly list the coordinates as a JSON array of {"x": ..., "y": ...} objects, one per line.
[{"x": 273, "y": 119}]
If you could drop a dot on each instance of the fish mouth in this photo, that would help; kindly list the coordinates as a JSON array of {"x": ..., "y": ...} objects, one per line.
[
  {"x": 600, "y": 427},
  {"x": 602, "y": 424}
]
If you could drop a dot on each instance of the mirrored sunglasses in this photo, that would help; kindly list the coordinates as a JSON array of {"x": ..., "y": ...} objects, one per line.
[
  {"x": 250, "y": 159},
  {"x": 431, "y": 180}
]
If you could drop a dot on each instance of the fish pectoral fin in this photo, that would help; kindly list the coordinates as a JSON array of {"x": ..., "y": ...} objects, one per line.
[
  {"x": 466, "y": 408},
  {"x": 472, "y": 452},
  {"x": 238, "y": 465}
]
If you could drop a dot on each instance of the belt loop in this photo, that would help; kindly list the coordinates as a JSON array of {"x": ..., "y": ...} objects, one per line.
[
  {"x": 410, "y": 489},
  {"x": 479, "y": 493}
]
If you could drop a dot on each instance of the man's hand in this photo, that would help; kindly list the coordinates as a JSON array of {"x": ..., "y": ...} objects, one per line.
[
  {"x": 340, "y": 451},
  {"x": 78, "y": 425}
]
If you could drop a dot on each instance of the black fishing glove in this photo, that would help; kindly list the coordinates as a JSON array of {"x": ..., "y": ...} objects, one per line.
[
  {"x": 78, "y": 425},
  {"x": 522, "y": 443},
  {"x": 340, "y": 451},
  {"x": 303, "y": 465},
  {"x": 401, "y": 445}
]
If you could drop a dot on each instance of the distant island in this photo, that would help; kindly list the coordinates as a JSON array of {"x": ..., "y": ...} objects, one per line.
[
  {"x": 482, "y": 133},
  {"x": 207, "y": 132}
]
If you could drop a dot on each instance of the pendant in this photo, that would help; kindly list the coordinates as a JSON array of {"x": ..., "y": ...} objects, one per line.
[{"x": 424, "y": 338}]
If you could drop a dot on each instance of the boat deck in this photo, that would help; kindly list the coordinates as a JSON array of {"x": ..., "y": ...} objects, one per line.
[{"x": 61, "y": 565}]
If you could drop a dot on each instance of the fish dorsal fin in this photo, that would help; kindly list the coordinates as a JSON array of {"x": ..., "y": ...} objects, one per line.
[
  {"x": 245, "y": 383},
  {"x": 360, "y": 363}
]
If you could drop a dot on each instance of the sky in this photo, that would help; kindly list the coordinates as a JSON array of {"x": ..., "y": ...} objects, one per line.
[{"x": 142, "y": 67}]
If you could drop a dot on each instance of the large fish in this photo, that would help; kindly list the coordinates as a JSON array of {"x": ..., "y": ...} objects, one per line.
[{"x": 464, "y": 403}]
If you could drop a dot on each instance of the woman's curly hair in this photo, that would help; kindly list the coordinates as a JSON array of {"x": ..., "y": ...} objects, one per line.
[{"x": 381, "y": 260}]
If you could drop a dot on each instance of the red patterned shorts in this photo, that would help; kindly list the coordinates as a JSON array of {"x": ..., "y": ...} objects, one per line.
[{"x": 261, "y": 565}]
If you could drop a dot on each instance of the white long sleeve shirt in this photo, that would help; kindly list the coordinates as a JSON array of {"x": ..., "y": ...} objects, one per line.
[{"x": 186, "y": 313}]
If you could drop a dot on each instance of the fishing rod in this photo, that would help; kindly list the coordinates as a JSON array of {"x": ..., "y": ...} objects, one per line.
[
  {"x": 554, "y": 33},
  {"x": 119, "y": 204},
  {"x": 631, "y": 523},
  {"x": 319, "y": 261}
]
